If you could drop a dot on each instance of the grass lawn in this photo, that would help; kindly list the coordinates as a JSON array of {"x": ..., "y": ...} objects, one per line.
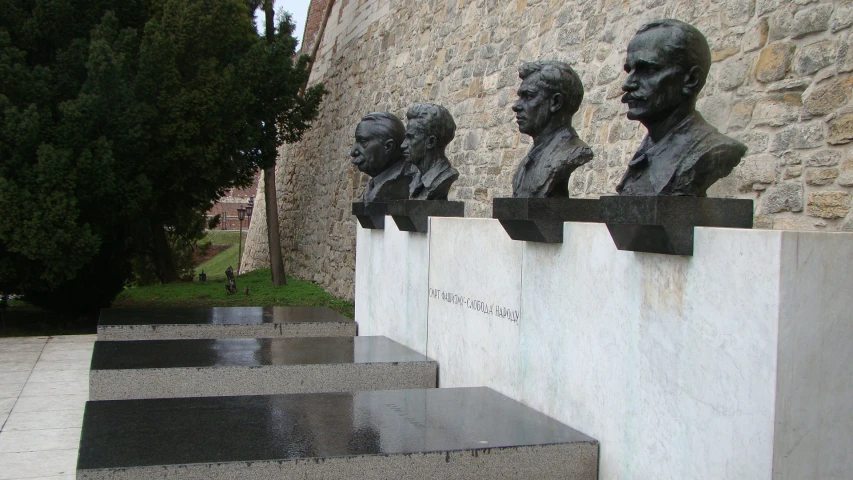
[
  {"x": 216, "y": 266},
  {"x": 212, "y": 294},
  {"x": 23, "y": 319}
]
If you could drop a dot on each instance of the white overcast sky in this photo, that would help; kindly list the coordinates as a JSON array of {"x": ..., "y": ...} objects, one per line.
[{"x": 298, "y": 10}]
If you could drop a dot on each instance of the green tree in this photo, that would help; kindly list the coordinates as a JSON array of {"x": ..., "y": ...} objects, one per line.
[
  {"x": 286, "y": 109},
  {"x": 120, "y": 121}
]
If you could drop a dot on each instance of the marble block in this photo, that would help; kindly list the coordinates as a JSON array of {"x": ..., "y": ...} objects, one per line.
[
  {"x": 221, "y": 322},
  {"x": 391, "y": 285},
  {"x": 731, "y": 363},
  {"x": 475, "y": 303},
  {"x": 241, "y": 366},
  {"x": 384, "y": 435}
]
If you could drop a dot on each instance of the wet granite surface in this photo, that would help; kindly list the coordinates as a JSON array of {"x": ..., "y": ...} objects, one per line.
[
  {"x": 249, "y": 352},
  {"x": 134, "y": 433},
  {"x": 219, "y": 316}
]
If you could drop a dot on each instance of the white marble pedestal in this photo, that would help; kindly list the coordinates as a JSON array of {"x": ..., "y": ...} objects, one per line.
[
  {"x": 734, "y": 363},
  {"x": 391, "y": 273}
]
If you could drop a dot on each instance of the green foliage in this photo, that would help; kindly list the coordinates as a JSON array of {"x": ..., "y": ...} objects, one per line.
[
  {"x": 120, "y": 121},
  {"x": 212, "y": 294}
]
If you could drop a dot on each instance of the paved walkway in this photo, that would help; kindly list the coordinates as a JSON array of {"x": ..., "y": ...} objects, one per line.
[{"x": 44, "y": 384}]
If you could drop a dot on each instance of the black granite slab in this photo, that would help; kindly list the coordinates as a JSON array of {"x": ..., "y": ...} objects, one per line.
[
  {"x": 665, "y": 224},
  {"x": 174, "y": 432},
  {"x": 245, "y": 352},
  {"x": 219, "y": 316},
  {"x": 371, "y": 215},
  {"x": 413, "y": 215},
  {"x": 541, "y": 219}
]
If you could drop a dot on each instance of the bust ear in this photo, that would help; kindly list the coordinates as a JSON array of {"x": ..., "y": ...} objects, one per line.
[
  {"x": 556, "y": 102},
  {"x": 431, "y": 141},
  {"x": 389, "y": 145},
  {"x": 694, "y": 80}
]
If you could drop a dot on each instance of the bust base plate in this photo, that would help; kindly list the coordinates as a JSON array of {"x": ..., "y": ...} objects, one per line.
[
  {"x": 665, "y": 224},
  {"x": 413, "y": 215},
  {"x": 370, "y": 215},
  {"x": 541, "y": 219}
]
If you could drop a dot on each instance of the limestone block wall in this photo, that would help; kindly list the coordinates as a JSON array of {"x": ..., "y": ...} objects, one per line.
[{"x": 781, "y": 82}]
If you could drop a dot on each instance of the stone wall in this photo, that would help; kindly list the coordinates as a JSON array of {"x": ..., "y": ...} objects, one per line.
[{"x": 781, "y": 82}]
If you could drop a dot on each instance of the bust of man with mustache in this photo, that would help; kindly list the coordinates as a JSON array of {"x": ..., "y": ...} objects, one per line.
[
  {"x": 378, "y": 153},
  {"x": 550, "y": 94},
  {"x": 682, "y": 155}
]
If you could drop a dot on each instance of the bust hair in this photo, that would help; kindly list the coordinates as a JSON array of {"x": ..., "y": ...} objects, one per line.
[
  {"x": 688, "y": 46},
  {"x": 389, "y": 126},
  {"x": 556, "y": 77},
  {"x": 436, "y": 120}
]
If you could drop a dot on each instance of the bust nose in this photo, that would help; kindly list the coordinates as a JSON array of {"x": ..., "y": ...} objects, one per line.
[
  {"x": 516, "y": 107},
  {"x": 630, "y": 84},
  {"x": 353, "y": 152}
]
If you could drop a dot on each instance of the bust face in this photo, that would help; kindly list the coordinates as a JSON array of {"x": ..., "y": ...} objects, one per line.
[
  {"x": 532, "y": 109},
  {"x": 415, "y": 145},
  {"x": 655, "y": 82},
  {"x": 371, "y": 153}
]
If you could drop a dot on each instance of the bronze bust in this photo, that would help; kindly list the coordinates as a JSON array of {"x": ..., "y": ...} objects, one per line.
[
  {"x": 682, "y": 155},
  {"x": 428, "y": 131},
  {"x": 550, "y": 94},
  {"x": 377, "y": 152}
]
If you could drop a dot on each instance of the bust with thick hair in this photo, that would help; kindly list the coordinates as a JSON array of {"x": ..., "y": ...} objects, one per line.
[
  {"x": 429, "y": 129},
  {"x": 549, "y": 96}
]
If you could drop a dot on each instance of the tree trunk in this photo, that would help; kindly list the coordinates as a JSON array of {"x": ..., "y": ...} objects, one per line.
[
  {"x": 163, "y": 263},
  {"x": 273, "y": 236}
]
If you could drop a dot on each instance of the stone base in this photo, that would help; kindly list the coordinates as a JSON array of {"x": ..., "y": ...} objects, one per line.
[
  {"x": 222, "y": 322},
  {"x": 665, "y": 224},
  {"x": 733, "y": 363},
  {"x": 210, "y": 368},
  {"x": 371, "y": 215},
  {"x": 413, "y": 215},
  {"x": 470, "y": 433},
  {"x": 541, "y": 219}
]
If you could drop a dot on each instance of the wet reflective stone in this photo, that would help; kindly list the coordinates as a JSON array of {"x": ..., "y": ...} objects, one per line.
[
  {"x": 471, "y": 433},
  {"x": 222, "y": 322},
  {"x": 204, "y": 368}
]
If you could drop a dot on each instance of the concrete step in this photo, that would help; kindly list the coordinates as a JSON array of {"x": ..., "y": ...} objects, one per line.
[
  {"x": 241, "y": 366},
  {"x": 453, "y": 433},
  {"x": 222, "y": 322}
]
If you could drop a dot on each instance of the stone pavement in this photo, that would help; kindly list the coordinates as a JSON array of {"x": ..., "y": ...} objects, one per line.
[{"x": 44, "y": 384}]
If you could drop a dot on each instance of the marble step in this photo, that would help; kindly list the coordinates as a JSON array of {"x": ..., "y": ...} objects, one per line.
[
  {"x": 222, "y": 322},
  {"x": 263, "y": 366},
  {"x": 448, "y": 433}
]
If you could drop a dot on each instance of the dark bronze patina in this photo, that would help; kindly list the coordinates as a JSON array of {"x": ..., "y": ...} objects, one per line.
[
  {"x": 429, "y": 129},
  {"x": 682, "y": 155},
  {"x": 377, "y": 152},
  {"x": 550, "y": 94}
]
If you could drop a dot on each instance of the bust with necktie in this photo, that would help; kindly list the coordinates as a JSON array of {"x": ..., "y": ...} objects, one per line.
[
  {"x": 682, "y": 154},
  {"x": 377, "y": 152}
]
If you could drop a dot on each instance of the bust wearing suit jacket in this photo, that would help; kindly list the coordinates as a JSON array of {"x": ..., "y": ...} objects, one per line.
[{"x": 667, "y": 65}]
